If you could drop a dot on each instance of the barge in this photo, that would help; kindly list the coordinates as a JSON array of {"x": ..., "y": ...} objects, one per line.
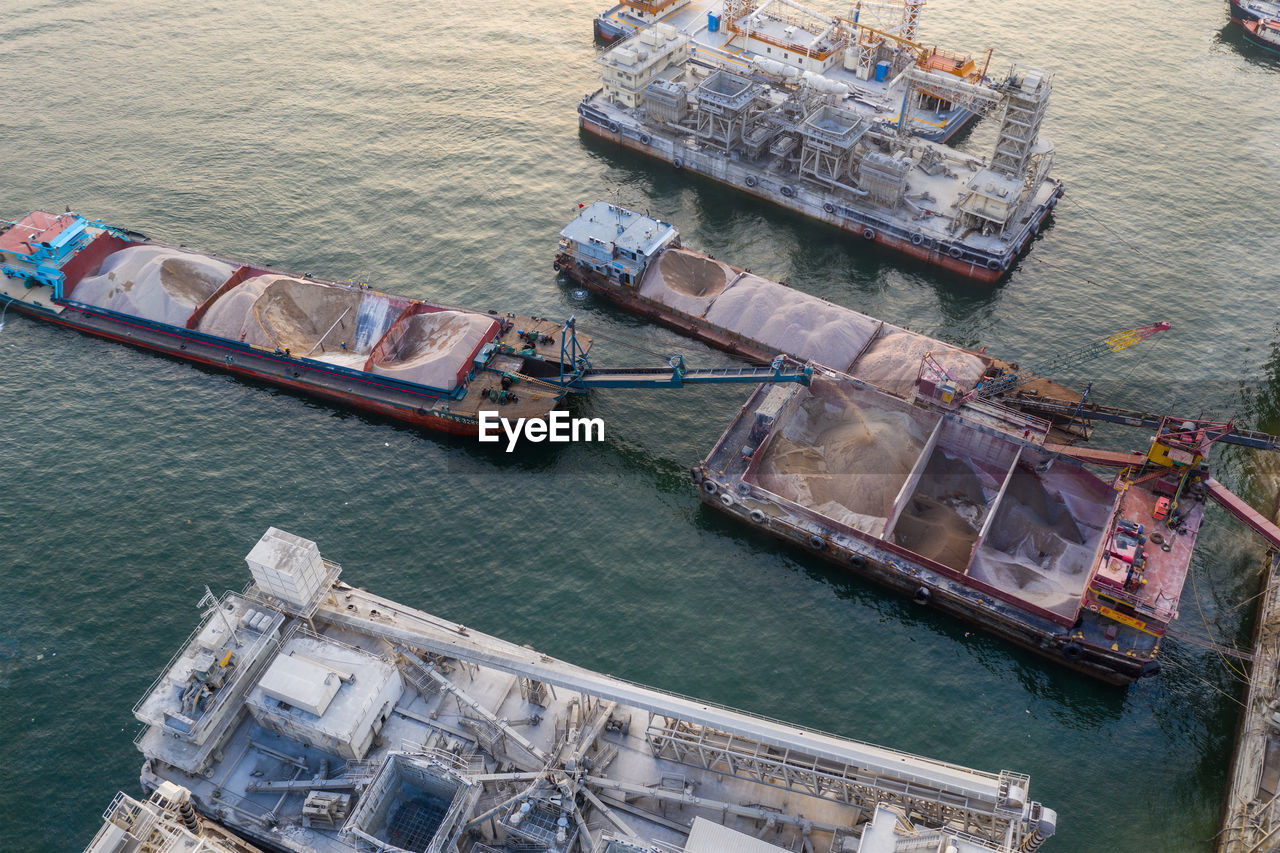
[
  {"x": 788, "y": 38},
  {"x": 308, "y": 715},
  {"x": 638, "y": 262},
  {"x": 795, "y": 137},
  {"x": 425, "y": 364},
  {"x": 973, "y": 514}
]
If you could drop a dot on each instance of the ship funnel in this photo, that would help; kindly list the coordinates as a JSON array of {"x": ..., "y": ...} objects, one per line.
[{"x": 289, "y": 569}]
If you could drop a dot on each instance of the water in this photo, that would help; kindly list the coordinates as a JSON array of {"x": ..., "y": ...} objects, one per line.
[{"x": 433, "y": 150}]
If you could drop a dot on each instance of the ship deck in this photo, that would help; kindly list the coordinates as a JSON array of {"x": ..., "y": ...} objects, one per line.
[
  {"x": 509, "y": 742},
  {"x": 882, "y": 99}
]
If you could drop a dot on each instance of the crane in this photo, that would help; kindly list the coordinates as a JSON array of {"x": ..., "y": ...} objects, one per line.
[{"x": 1009, "y": 380}]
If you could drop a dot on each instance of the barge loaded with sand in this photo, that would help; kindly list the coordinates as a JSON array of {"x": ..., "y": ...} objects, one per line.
[
  {"x": 980, "y": 518},
  {"x": 638, "y": 262},
  {"x": 761, "y": 103},
  {"x": 307, "y": 715},
  {"x": 428, "y": 365}
]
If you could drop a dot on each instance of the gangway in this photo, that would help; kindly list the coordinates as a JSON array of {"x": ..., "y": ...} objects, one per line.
[
  {"x": 676, "y": 375},
  {"x": 1233, "y": 504},
  {"x": 582, "y": 377}
]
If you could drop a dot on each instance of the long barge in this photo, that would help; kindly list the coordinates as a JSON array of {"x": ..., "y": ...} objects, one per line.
[
  {"x": 425, "y": 364},
  {"x": 638, "y": 263},
  {"x": 304, "y": 714},
  {"x": 781, "y": 130}
]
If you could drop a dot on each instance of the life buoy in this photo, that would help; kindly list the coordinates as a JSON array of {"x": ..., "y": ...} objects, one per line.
[
  {"x": 744, "y": 488},
  {"x": 613, "y": 127},
  {"x": 869, "y": 233},
  {"x": 993, "y": 265},
  {"x": 917, "y": 239},
  {"x": 828, "y": 207},
  {"x": 757, "y": 516},
  {"x": 751, "y": 180},
  {"x": 923, "y": 595},
  {"x": 817, "y": 543},
  {"x": 709, "y": 487},
  {"x": 789, "y": 191},
  {"x": 1073, "y": 651},
  {"x": 677, "y": 162},
  {"x": 954, "y": 252},
  {"x": 645, "y": 139},
  {"x": 726, "y": 499}
]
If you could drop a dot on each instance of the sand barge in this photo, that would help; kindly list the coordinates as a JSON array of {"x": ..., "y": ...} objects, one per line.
[{"x": 964, "y": 510}]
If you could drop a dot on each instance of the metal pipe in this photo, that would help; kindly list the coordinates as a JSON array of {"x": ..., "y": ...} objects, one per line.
[
  {"x": 330, "y": 329},
  {"x": 275, "y": 753}
]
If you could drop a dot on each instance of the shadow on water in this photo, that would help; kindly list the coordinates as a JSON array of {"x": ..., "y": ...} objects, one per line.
[{"x": 725, "y": 209}]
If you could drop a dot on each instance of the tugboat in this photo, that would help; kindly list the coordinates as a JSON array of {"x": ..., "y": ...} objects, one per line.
[{"x": 1264, "y": 32}]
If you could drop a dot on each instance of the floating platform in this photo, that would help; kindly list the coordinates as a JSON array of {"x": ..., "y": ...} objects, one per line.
[
  {"x": 308, "y": 715},
  {"x": 429, "y": 365},
  {"x": 797, "y": 137}
]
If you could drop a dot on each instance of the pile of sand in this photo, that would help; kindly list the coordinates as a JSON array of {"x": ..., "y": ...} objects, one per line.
[
  {"x": 789, "y": 321},
  {"x": 943, "y": 516},
  {"x": 1037, "y": 548},
  {"x": 432, "y": 349},
  {"x": 843, "y": 460},
  {"x": 275, "y": 311},
  {"x": 892, "y": 362},
  {"x": 685, "y": 281},
  {"x": 153, "y": 282}
]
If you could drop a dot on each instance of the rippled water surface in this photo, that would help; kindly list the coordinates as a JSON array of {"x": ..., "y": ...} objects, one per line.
[{"x": 433, "y": 149}]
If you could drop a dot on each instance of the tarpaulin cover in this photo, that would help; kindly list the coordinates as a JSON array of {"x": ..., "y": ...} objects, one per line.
[
  {"x": 153, "y": 282},
  {"x": 436, "y": 349}
]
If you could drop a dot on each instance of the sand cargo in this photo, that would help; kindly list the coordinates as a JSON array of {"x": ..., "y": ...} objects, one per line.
[{"x": 426, "y": 364}]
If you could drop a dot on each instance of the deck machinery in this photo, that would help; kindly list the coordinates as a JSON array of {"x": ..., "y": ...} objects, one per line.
[
  {"x": 795, "y": 128},
  {"x": 308, "y": 715}
]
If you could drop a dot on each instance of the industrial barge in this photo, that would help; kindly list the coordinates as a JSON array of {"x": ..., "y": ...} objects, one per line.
[
  {"x": 981, "y": 519},
  {"x": 785, "y": 37},
  {"x": 931, "y": 468},
  {"x": 308, "y": 715},
  {"x": 428, "y": 365},
  {"x": 785, "y": 130}
]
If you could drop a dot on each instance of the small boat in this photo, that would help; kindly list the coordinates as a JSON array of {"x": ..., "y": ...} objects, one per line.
[
  {"x": 425, "y": 364},
  {"x": 1263, "y": 32}
]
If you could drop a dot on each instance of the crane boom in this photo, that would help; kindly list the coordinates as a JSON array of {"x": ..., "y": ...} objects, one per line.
[{"x": 1011, "y": 379}]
